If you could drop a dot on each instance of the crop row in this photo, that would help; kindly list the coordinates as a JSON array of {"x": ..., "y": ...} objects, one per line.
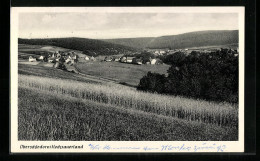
[{"x": 223, "y": 114}]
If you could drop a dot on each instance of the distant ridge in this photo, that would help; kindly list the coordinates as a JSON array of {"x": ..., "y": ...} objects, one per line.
[
  {"x": 126, "y": 45},
  {"x": 186, "y": 40},
  {"x": 88, "y": 46}
]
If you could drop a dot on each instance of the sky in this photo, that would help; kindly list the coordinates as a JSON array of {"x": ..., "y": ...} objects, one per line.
[{"x": 120, "y": 25}]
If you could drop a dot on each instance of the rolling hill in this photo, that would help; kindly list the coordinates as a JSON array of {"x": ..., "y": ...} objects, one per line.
[
  {"x": 88, "y": 46},
  {"x": 186, "y": 40}
]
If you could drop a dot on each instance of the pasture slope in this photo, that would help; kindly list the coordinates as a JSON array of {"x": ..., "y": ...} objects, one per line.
[{"x": 123, "y": 73}]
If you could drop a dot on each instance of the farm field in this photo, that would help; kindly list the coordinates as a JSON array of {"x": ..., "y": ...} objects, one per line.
[
  {"x": 26, "y": 50},
  {"x": 57, "y": 111},
  {"x": 121, "y": 72},
  {"x": 49, "y": 72}
]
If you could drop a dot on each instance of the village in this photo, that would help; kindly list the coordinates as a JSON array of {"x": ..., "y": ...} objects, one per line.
[
  {"x": 70, "y": 58},
  {"x": 61, "y": 59}
]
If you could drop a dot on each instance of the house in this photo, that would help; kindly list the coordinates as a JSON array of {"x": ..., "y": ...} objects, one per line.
[
  {"x": 51, "y": 60},
  {"x": 31, "y": 59},
  {"x": 129, "y": 59},
  {"x": 67, "y": 59},
  {"x": 123, "y": 59},
  {"x": 153, "y": 61},
  {"x": 116, "y": 58},
  {"x": 137, "y": 61},
  {"x": 58, "y": 55},
  {"x": 108, "y": 59},
  {"x": 87, "y": 58},
  {"x": 93, "y": 59},
  {"x": 53, "y": 55},
  {"x": 74, "y": 56},
  {"x": 162, "y": 52},
  {"x": 41, "y": 58},
  {"x": 158, "y": 61}
]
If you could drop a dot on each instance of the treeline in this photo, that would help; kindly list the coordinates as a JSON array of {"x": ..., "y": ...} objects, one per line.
[
  {"x": 210, "y": 76},
  {"x": 90, "y": 47},
  {"x": 181, "y": 41},
  {"x": 195, "y": 39}
]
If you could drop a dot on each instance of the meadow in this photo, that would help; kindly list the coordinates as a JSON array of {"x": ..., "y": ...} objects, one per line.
[{"x": 129, "y": 74}]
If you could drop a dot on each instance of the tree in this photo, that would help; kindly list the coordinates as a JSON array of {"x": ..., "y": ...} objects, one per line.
[{"x": 210, "y": 76}]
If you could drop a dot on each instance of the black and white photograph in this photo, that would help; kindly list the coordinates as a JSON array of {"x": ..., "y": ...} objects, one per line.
[{"x": 132, "y": 76}]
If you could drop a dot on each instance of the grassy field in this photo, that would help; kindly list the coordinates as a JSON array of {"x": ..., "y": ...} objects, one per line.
[
  {"x": 178, "y": 107},
  {"x": 46, "y": 115},
  {"x": 120, "y": 72}
]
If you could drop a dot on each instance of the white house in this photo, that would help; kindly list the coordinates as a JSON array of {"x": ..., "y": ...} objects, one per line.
[
  {"x": 41, "y": 57},
  {"x": 87, "y": 58},
  {"x": 123, "y": 59},
  {"x": 129, "y": 59},
  {"x": 156, "y": 52},
  {"x": 31, "y": 59},
  {"x": 153, "y": 61},
  {"x": 162, "y": 52}
]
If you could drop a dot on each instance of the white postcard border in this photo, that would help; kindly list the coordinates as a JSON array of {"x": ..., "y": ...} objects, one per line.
[{"x": 31, "y": 146}]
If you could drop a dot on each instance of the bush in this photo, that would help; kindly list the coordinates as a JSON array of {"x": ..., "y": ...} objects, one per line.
[{"x": 152, "y": 82}]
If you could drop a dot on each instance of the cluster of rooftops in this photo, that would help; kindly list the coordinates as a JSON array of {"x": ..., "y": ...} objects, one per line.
[
  {"x": 56, "y": 57},
  {"x": 133, "y": 60}
]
